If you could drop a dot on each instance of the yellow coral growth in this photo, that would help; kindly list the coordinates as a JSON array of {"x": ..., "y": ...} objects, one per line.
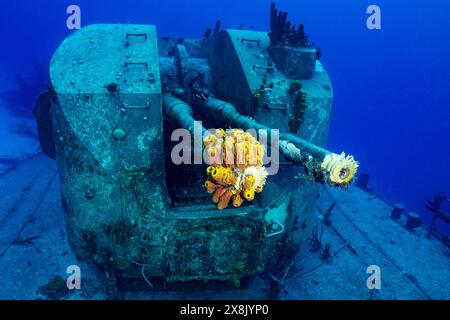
[
  {"x": 236, "y": 171},
  {"x": 340, "y": 168}
]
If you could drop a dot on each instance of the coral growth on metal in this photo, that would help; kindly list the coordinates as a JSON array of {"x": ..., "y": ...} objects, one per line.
[{"x": 236, "y": 170}]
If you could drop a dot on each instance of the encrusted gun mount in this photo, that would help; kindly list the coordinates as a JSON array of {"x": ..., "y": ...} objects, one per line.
[{"x": 118, "y": 95}]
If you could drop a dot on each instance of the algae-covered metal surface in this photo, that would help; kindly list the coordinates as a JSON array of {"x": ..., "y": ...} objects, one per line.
[
  {"x": 133, "y": 210},
  {"x": 35, "y": 250}
]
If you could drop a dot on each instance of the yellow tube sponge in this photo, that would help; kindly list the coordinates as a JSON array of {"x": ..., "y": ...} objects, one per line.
[
  {"x": 237, "y": 200},
  {"x": 249, "y": 194},
  {"x": 236, "y": 171},
  {"x": 249, "y": 182}
]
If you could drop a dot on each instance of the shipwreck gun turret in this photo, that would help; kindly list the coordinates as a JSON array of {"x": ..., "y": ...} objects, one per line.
[{"x": 119, "y": 94}]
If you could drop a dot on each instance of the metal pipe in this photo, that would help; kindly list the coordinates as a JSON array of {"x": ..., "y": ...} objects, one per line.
[
  {"x": 180, "y": 111},
  {"x": 222, "y": 110},
  {"x": 338, "y": 169},
  {"x": 321, "y": 164}
]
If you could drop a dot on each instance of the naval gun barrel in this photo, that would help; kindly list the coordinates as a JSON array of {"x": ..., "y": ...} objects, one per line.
[
  {"x": 321, "y": 164},
  {"x": 180, "y": 111}
]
